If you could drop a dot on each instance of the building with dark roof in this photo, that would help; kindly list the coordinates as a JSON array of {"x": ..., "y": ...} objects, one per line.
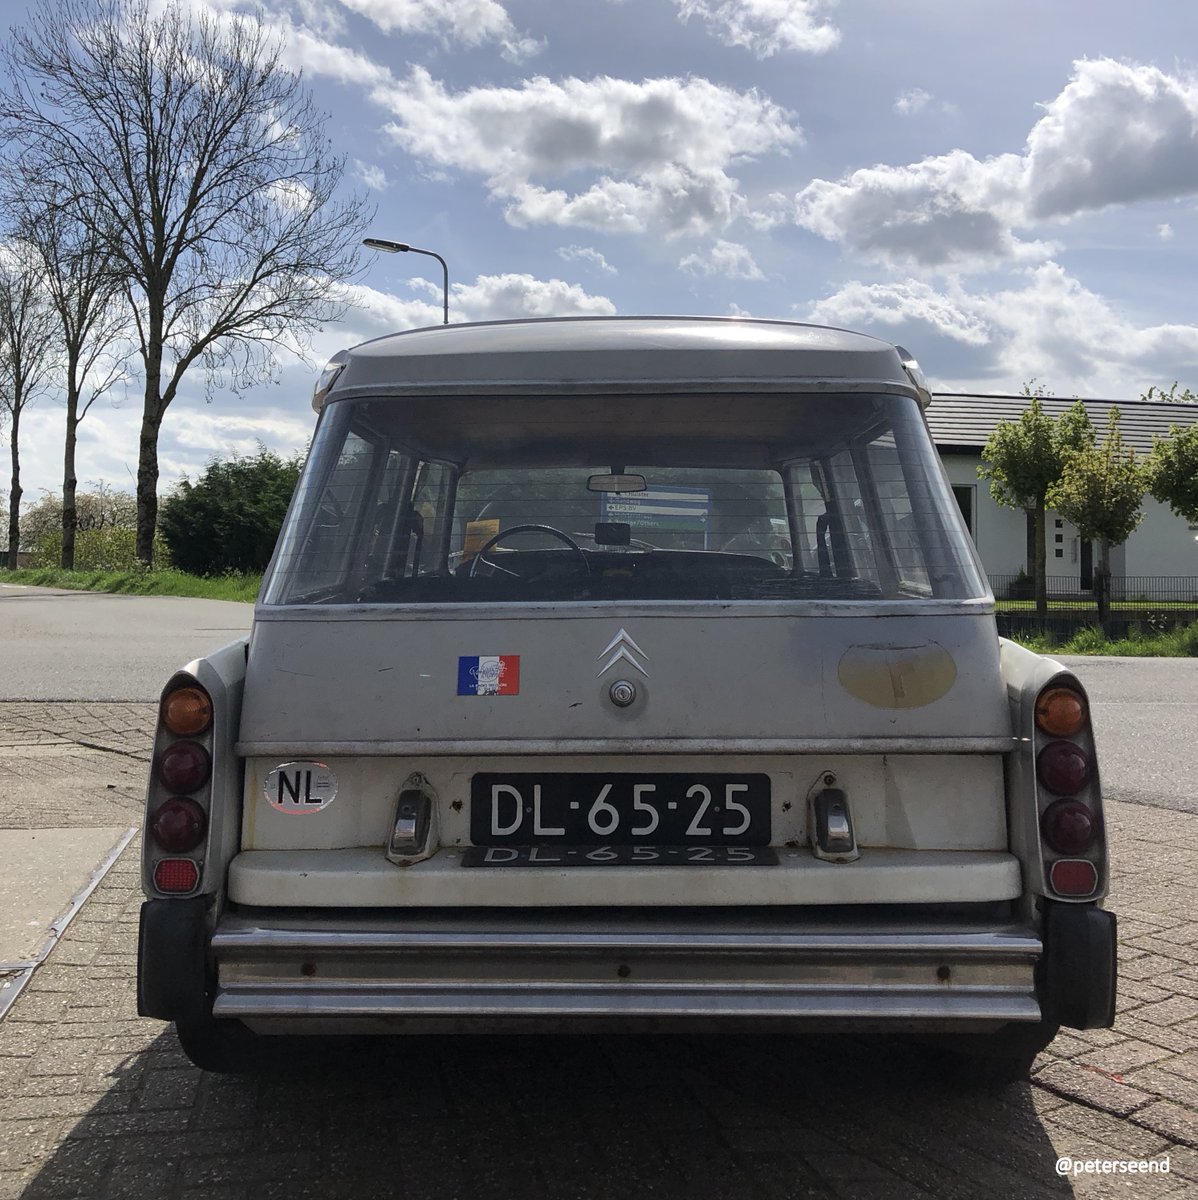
[{"x": 1163, "y": 545}]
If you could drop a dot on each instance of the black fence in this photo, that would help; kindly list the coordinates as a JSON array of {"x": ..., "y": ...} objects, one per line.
[
  {"x": 1127, "y": 591},
  {"x": 1139, "y": 604}
]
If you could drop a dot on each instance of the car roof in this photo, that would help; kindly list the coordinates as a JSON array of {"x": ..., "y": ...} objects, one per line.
[{"x": 594, "y": 354}]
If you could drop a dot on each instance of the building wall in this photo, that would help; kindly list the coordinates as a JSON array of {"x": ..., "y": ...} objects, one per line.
[{"x": 1163, "y": 544}]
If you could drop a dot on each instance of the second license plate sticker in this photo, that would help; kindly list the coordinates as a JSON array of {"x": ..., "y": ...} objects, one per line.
[
  {"x": 620, "y": 856},
  {"x": 576, "y": 809}
]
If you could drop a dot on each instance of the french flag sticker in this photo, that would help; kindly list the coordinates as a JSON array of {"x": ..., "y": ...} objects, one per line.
[{"x": 489, "y": 675}]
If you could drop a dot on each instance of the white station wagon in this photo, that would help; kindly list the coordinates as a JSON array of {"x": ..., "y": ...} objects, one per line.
[{"x": 625, "y": 674}]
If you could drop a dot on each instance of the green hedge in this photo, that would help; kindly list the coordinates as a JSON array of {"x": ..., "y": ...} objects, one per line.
[{"x": 98, "y": 550}]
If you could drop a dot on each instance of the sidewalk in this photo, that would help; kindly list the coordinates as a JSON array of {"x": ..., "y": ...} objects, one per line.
[{"x": 100, "y": 1103}]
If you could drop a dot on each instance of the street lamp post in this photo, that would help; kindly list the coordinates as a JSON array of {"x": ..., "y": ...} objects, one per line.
[{"x": 404, "y": 248}]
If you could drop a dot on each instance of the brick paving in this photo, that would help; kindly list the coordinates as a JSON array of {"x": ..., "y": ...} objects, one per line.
[{"x": 96, "y": 1102}]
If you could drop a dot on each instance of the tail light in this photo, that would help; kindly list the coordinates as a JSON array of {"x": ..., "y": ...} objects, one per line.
[
  {"x": 185, "y": 766},
  {"x": 1063, "y": 767},
  {"x": 1074, "y": 877},
  {"x": 1069, "y": 827},
  {"x": 179, "y": 824},
  {"x": 187, "y": 711},
  {"x": 176, "y": 875},
  {"x": 1061, "y": 712}
]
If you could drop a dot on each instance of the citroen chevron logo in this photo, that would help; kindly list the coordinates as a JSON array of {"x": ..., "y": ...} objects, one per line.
[{"x": 623, "y": 649}]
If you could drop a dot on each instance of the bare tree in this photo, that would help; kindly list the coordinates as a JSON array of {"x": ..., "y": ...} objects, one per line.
[
  {"x": 85, "y": 293},
  {"x": 27, "y": 347},
  {"x": 214, "y": 184}
]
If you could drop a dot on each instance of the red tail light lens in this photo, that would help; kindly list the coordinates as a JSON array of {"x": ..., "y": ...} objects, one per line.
[
  {"x": 1073, "y": 877},
  {"x": 1063, "y": 768},
  {"x": 179, "y": 824},
  {"x": 187, "y": 711},
  {"x": 1069, "y": 827},
  {"x": 1061, "y": 712},
  {"x": 176, "y": 875},
  {"x": 185, "y": 766}
]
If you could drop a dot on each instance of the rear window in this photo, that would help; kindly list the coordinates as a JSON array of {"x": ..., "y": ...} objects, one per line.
[{"x": 568, "y": 499}]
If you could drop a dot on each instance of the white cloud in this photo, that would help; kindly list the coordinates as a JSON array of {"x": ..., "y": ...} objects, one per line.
[
  {"x": 1116, "y": 134},
  {"x": 1165, "y": 232},
  {"x": 1051, "y": 328},
  {"x": 588, "y": 255},
  {"x": 661, "y": 149},
  {"x": 912, "y": 101},
  {"x": 766, "y": 26},
  {"x": 455, "y": 22},
  {"x": 372, "y": 176},
  {"x": 729, "y": 260},
  {"x": 952, "y": 210}
]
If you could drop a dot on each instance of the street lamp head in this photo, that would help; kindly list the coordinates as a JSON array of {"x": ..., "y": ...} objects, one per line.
[{"x": 389, "y": 247}]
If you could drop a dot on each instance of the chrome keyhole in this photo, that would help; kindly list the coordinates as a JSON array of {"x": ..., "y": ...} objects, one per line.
[{"x": 622, "y": 693}]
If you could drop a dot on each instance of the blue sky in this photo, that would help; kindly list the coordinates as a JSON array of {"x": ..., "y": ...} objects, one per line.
[{"x": 1009, "y": 188}]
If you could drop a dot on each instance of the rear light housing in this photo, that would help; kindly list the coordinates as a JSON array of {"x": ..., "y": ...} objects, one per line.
[
  {"x": 179, "y": 801},
  {"x": 1069, "y": 807}
]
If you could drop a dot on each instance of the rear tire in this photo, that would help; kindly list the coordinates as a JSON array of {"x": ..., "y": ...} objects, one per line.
[
  {"x": 998, "y": 1059},
  {"x": 223, "y": 1047}
]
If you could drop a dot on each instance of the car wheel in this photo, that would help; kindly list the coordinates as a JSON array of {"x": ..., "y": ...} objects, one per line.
[
  {"x": 223, "y": 1047},
  {"x": 994, "y": 1060}
]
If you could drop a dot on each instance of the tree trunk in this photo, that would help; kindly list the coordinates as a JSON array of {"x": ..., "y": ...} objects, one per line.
[
  {"x": 147, "y": 482},
  {"x": 14, "y": 495},
  {"x": 69, "y": 482},
  {"x": 1039, "y": 566},
  {"x": 1102, "y": 584}
]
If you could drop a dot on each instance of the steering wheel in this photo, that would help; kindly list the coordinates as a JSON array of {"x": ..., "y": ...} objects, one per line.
[{"x": 506, "y": 533}]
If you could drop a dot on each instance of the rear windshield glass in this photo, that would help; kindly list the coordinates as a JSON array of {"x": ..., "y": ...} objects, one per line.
[{"x": 577, "y": 499}]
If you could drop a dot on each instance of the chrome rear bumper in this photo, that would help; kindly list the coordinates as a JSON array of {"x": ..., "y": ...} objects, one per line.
[{"x": 296, "y": 973}]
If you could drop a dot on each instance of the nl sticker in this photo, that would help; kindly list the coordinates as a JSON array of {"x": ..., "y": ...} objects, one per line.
[
  {"x": 300, "y": 787},
  {"x": 489, "y": 675}
]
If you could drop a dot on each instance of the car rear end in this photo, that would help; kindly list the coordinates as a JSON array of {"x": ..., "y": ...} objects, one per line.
[{"x": 625, "y": 675}]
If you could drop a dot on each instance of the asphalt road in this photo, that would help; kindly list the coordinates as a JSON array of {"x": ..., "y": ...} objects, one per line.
[
  {"x": 62, "y": 645},
  {"x": 1146, "y": 726}
]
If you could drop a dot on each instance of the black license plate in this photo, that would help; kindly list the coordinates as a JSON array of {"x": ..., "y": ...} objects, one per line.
[
  {"x": 654, "y": 809},
  {"x": 620, "y": 856}
]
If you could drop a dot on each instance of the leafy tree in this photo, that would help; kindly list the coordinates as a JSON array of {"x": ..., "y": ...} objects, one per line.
[
  {"x": 1101, "y": 491},
  {"x": 1173, "y": 471},
  {"x": 26, "y": 355},
  {"x": 229, "y": 519},
  {"x": 197, "y": 158},
  {"x": 1171, "y": 395},
  {"x": 104, "y": 508},
  {"x": 1023, "y": 459}
]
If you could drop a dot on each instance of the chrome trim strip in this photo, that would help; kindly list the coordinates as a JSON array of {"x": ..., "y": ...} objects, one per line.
[
  {"x": 981, "y": 606},
  {"x": 639, "y": 746}
]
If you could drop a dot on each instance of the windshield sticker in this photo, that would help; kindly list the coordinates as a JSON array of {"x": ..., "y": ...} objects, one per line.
[
  {"x": 300, "y": 787},
  {"x": 489, "y": 675}
]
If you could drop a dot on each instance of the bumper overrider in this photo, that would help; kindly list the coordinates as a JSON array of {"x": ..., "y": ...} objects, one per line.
[{"x": 287, "y": 971}]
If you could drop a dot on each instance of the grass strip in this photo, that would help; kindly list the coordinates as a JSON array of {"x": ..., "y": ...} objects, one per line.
[{"x": 140, "y": 583}]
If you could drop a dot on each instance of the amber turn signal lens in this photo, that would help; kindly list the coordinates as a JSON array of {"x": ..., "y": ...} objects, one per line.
[
  {"x": 187, "y": 711},
  {"x": 1061, "y": 712}
]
